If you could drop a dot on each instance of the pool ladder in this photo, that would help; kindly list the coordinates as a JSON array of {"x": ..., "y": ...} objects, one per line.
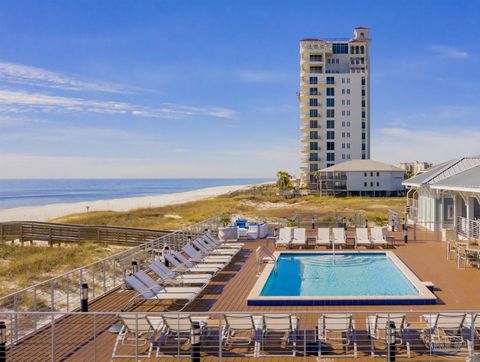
[{"x": 261, "y": 260}]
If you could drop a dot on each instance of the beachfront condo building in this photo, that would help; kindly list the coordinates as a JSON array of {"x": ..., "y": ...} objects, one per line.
[{"x": 334, "y": 102}]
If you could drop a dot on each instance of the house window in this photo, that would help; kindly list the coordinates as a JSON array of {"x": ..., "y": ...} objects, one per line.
[
  {"x": 330, "y": 135},
  {"x": 313, "y": 146},
  {"x": 330, "y": 123},
  {"x": 363, "y": 136},
  {"x": 330, "y": 156},
  {"x": 364, "y": 125},
  {"x": 313, "y": 91},
  {"x": 348, "y": 145},
  {"x": 348, "y": 80},
  {"x": 363, "y": 114},
  {"x": 330, "y": 80},
  {"x": 363, "y": 147},
  {"x": 363, "y": 80},
  {"x": 363, "y": 103},
  {"x": 365, "y": 184},
  {"x": 313, "y": 102},
  {"x": 348, "y": 123},
  {"x": 371, "y": 174},
  {"x": 365, "y": 174},
  {"x": 330, "y": 146},
  {"x": 315, "y": 57},
  {"x": 378, "y": 184},
  {"x": 343, "y": 91},
  {"x": 343, "y": 145},
  {"x": 313, "y": 124},
  {"x": 343, "y": 156},
  {"x": 313, "y": 80},
  {"x": 371, "y": 184},
  {"x": 378, "y": 174},
  {"x": 313, "y": 167},
  {"x": 330, "y": 102},
  {"x": 331, "y": 92},
  {"x": 348, "y": 90},
  {"x": 330, "y": 113},
  {"x": 313, "y": 113},
  {"x": 363, "y": 93}
]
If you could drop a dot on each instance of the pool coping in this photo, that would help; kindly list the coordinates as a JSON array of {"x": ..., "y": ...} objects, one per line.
[{"x": 424, "y": 297}]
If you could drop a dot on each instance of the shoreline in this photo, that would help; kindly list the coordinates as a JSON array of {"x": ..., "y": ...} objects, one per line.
[{"x": 53, "y": 211}]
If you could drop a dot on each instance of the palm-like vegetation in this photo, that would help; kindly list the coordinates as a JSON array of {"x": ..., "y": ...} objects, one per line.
[{"x": 284, "y": 181}]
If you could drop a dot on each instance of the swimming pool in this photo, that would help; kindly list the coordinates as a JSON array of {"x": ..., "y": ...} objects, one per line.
[{"x": 348, "y": 278}]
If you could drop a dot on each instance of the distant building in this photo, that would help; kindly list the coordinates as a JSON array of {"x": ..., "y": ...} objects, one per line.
[
  {"x": 447, "y": 196},
  {"x": 334, "y": 102},
  {"x": 362, "y": 178},
  {"x": 415, "y": 166}
]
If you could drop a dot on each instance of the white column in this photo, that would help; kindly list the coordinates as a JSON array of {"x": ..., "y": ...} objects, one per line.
[
  {"x": 455, "y": 211},
  {"x": 442, "y": 210},
  {"x": 469, "y": 205}
]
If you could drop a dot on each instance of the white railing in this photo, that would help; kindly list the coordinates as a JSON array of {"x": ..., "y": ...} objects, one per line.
[
  {"x": 386, "y": 334},
  {"x": 468, "y": 228}
]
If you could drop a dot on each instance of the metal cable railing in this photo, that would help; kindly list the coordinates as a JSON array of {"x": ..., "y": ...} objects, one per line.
[
  {"x": 63, "y": 293},
  {"x": 387, "y": 334}
]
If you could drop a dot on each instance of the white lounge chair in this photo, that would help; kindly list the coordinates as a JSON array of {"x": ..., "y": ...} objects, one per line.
[
  {"x": 137, "y": 331},
  {"x": 323, "y": 237},
  {"x": 444, "y": 332},
  {"x": 170, "y": 277},
  {"x": 361, "y": 237},
  {"x": 241, "y": 330},
  {"x": 192, "y": 263},
  {"x": 227, "y": 244},
  {"x": 299, "y": 237},
  {"x": 377, "y": 331},
  {"x": 155, "y": 287},
  {"x": 179, "y": 327},
  {"x": 145, "y": 293},
  {"x": 210, "y": 248},
  {"x": 197, "y": 257},
  {"x": 339, "y": 239},
  {"x": 278, "y": 328},
  {"x": 377, "y": 237},
  {"x": 337, "y": 329},
  {"x": 284, "y": 237},
  {"x": 199, "y": 268}
]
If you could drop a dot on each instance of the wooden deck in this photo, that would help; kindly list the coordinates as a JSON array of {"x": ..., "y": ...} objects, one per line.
[{"x": 81, "y": 338}]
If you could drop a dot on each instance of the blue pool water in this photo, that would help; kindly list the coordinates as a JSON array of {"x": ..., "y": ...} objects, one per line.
[{"x": 365, "y": 274}]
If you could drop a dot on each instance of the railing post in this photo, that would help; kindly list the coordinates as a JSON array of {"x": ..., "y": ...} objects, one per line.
[
  {"x": 84, "y": 297},
  {"x": 391, "y": 341},
  {"x": 195, "y": 341},
  {"x": 52, "y": 347},
  {"x": 3, "y": 341}
]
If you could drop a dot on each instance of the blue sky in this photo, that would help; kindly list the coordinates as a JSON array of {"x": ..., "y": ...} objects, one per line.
[{"x": 207, "y": 88}]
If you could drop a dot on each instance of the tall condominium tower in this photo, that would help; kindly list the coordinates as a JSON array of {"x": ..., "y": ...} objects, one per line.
[{"x": 334, "y": 102}]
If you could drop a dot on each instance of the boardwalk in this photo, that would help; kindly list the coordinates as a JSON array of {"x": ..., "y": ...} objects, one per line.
[{"x": 86, "y": 337}]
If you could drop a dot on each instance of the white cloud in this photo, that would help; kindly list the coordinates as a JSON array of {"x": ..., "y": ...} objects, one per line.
[
  {"x": 448, "y": 52},
  {"x": 395, "y": 145},
  {"x": 21, "y": 101},
  {"x": 33, "y": 76}
]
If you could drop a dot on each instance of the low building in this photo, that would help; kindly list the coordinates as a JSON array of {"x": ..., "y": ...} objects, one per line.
[
  {"x": 447, "y": 196},
  {"x": 361, "y": 178},
  {"x": 415, "y": 166}
]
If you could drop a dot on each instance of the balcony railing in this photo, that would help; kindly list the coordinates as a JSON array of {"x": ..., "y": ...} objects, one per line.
[{"x": 468, "y": 228}]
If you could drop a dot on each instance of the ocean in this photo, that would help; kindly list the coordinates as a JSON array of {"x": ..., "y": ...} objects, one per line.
[{"x": 33, "y": 192}]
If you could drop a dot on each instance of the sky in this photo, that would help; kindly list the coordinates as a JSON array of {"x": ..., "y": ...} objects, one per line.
[{"x": 208, "y": 88}]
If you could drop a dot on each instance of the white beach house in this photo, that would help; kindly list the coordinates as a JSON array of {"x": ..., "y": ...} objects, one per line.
[
  {"x": 447, "y": 196},
  {"x": 362, "y": 178}
]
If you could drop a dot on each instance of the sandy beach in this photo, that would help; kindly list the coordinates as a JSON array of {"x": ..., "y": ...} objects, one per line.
[{"x": 52, "y": 211}]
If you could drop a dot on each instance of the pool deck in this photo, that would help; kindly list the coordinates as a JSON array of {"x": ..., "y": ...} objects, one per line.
[{"x": 456, "y": 289}]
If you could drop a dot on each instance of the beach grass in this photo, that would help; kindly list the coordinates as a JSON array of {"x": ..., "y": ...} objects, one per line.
[
  {"x": 264, "y": 205},
  {"x": 22, "y": 266}
]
